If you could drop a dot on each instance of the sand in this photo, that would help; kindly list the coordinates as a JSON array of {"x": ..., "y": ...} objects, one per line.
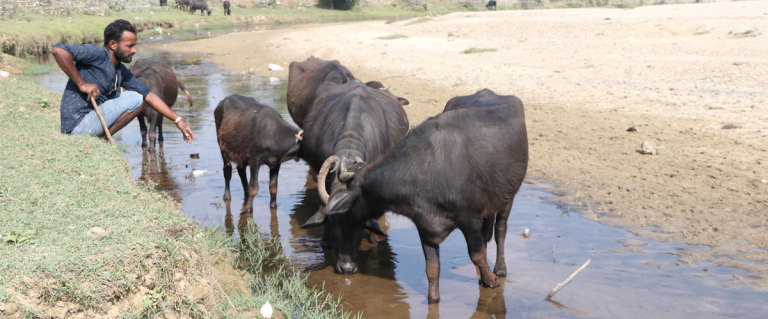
[{"x": 677, "y": 73}]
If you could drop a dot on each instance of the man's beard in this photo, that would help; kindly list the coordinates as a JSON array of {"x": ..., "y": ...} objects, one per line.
[{"x": 122, "y": 57}]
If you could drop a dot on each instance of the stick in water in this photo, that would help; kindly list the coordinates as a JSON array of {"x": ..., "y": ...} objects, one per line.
[
  {"x": 103, "y": 124},
  {"x": 560, "y": 285}
]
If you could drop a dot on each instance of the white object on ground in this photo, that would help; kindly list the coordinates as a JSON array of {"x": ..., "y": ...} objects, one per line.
[
  {"x": 199, "y": 172},
  {"x": 526, "y": 232},
  {"x": 275, "y": 67},
  {"x": 4, "y": 74},
  {"x": 266, "y": 310}
]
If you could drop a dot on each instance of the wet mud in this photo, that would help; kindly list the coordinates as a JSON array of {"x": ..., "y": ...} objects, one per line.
[{"x": 628, "y": 277}]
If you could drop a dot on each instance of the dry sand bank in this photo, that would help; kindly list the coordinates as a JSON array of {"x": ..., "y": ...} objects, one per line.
[{"x": 678, "y": 73}]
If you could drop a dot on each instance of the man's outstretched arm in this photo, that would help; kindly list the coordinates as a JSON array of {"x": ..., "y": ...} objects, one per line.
[{"x": 157, "y": 103}]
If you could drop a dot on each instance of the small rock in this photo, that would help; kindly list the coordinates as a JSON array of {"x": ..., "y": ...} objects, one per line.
[
  {"x": 632, "y": 129},
  {"x": 97, "y": 231},
  {"x": 764, "y": 181},
  {"x": 275, "y": 67},
  {"x": 649, "y": 148}
]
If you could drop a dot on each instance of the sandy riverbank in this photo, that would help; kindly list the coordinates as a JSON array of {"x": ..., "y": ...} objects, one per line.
[{"x": 678, "y": 73}]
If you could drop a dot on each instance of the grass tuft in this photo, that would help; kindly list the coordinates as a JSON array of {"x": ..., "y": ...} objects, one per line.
[
  {"x": 477, "y": 50},
  {"x": 418, "y": 21},
  {"x": 392, "y": 37}
]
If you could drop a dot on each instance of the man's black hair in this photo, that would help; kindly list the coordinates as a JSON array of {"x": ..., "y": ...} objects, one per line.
[{"x": 115, "y": 30}]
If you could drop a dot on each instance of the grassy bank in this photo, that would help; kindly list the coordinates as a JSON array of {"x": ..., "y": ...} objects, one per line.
[
  {"x": 33, "y": 34},
  {"x": 81, "y": 237}
]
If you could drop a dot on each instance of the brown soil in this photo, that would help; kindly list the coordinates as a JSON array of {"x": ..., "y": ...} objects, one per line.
[{"x": 677, "y": 73}]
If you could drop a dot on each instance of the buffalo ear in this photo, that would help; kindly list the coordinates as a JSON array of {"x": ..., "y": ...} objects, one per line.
[
  {"x": 340, "y": 202},
  {"x": 373, "y": 226},
  {"x": 292, "y": 154},
  {"x": 316, "y": 220},
  {"x": 402, "y": 101}
]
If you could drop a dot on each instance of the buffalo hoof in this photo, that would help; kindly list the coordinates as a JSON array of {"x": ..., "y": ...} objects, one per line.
[
  {"x": 431, "y": 300},
  {"x": 226, "y": 197},
  {"x": 500, "y": 273},
  {"x": 494, "y": 285},
  {"x": 246, "y": 210},
  {"x": 273, "y": 205}
]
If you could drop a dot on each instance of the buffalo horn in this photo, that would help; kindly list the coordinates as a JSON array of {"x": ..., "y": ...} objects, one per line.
[
  {"x": 323, "y": 174},
  {"x": 387, "y": 89},
  {"x": 344, "y": 175}
]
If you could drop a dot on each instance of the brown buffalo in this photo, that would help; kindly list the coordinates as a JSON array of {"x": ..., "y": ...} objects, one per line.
[
  {"x": 304, "y": 78},
  {"x": 251, "y": 134},
  {"x": 158, "y": 75}
]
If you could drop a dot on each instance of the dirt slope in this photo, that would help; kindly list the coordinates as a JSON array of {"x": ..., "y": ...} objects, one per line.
[{"x": 678, "y": 73}]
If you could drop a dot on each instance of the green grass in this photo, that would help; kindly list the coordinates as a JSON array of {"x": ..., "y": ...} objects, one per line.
[
  {"x": 19, "y": 37},
  {"x": 79, "y": 232},
  {"x": 418, "y": 21},
  {"x": 477, "y": 50},
  {"x": 393, "y": 37}
]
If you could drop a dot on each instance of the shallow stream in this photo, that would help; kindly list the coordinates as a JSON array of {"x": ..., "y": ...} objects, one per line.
[{"x": 628, "y": 277}]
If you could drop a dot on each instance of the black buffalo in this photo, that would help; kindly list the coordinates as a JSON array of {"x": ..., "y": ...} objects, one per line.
[
  {"x": 226, "y": 8},
  {"x": 158, "y": 75},
  {"x": 183, "y": 4},
  {"x": 304, "y": 78},
  {"x": 251, "y": 134},
  {"x": 195, "y": 5},
  {"x": 491, "y": 4},
  {"x": 459, "y": 169}
]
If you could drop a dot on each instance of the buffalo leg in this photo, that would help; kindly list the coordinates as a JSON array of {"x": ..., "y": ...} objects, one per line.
[
  {"x": 227, "y": 176},
  {"x": 488, "y": 229},
  {"x": 473, "y": 234},
  {"x": 432, "y": 258},
  {"x": 143, "y": 130},
  {"x": 160, "y": 138},
  {"x": 243, "y": 180},
  {"x": 273, "y": 172},
  {"x": 501, "y": 235},
  {"x": 152, "y": 133},
  {"x": 253, "y": 186}
]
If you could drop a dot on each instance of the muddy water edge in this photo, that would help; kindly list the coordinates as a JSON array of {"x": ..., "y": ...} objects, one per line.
[{"x": 628, "y": 277}]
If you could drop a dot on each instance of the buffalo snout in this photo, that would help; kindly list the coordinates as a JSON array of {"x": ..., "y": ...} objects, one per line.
[{"x": 346, "y": 268}]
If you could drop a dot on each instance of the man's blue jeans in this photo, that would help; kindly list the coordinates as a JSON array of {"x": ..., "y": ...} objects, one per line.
[{"x": 127, "y": 101}]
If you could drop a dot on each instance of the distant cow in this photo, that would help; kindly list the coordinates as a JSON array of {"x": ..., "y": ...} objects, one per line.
[
  {"x": 226, "y": 8},
  {"x": 459, "y": 169},
  {"x": 183, "y": 4},
  {"x": 195, "y": 5},
  {"x": 251, "y": 134},
  {"x": 490, "y": 4},
  {"x": 304, "y": 78},
  {"x": 163, "y": 3},
  {"x": 158, "y": 75}
]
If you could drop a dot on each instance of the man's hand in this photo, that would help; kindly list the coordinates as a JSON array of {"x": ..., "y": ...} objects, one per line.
[
  {"x": 184, "y": 128},
  {"x": 91, "y": 89}
]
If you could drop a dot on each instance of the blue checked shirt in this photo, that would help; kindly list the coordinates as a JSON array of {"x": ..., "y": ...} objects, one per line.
[{"x": 95, "y": 66}]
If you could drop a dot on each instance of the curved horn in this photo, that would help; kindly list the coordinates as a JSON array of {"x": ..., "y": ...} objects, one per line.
[
  {"x": 387, "y": 89},
  {"x": 323, "y": 175},
  {"x": 344, "y": 175}
]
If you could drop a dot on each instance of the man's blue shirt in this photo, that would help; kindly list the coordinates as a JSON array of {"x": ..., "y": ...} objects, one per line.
[{"x": 95, "y": 66}]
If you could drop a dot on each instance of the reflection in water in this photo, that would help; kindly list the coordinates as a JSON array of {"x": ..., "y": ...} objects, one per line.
[
  {"x": 242, "y": 222},
  {"x": 155, "y": 169},
  {"x": 491, "y": 302},
  {"x": 561, "y": 307}
]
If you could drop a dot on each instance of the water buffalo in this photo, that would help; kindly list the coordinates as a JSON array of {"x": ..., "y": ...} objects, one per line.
[
  {"x": 195, "y": 5},
  {"x": 459, "y": 169},
  {"x": 226, "y": 8},
  {"x": 304, "y": 78},
  {"x": 491, "y": 4},
  {"x": 183, "y": 4},
  {"x": 251, "y": 134},
  {"x": 158, "y": 75}
]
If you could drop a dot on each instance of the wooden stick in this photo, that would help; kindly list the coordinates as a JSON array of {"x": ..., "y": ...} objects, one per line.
[
  {"x": 560, "y": 285},
  {"x": 103, "y": 124}
]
